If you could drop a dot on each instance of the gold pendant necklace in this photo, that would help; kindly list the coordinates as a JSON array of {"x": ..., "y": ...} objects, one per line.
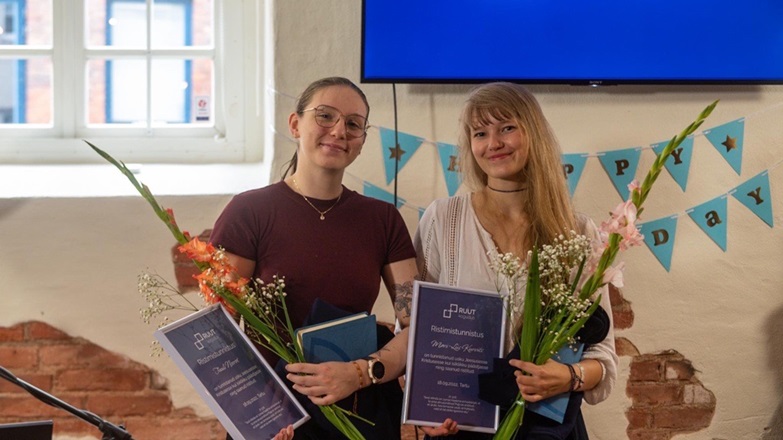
[{"x": 311, "y": 204}]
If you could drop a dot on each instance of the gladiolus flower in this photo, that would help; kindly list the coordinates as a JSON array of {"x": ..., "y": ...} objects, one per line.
[
  {"x": 198, "y": 250},
  {"x": 614, "y": 275}
]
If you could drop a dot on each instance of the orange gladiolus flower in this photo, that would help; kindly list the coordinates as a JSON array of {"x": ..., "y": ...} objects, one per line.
[{"x": 198, "y": 250}]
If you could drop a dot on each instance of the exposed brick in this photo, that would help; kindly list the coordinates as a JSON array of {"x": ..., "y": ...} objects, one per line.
[
  {"x": 683, "y": 418},
  {"x": 638, "y": 417},
  {"x": 172, "y": 427},
  {"x": 40, "y": 331},
  {"x": 622, "y": 313},
  {"x": 649, "y": 394},
  {"x": 27, "y": 407},
  {"x": 697, "y": 394},
  {"x": 183, "y": 273},
  {"x": 615, "y": 296},
  {"x": 648, "y": 434},
  {"x": 12, "y": 334},
  {"x": 109, "y": 379},
  {"x": 40, "y": 381},
  {"x": 74, "y": 426},
  {"x": 624, "y": 347},
  {"x": 646, "y": 370},
  {"x": 19, "y": 357},
  {"x": 127, "y": 404},
  {"x": 158, "y": 382},
  {"x": 622, "y": 317},
  {"x": 184, "y": 269},
  {"x": 679, "y": 370},
  {"x": 80, "y": 355}
]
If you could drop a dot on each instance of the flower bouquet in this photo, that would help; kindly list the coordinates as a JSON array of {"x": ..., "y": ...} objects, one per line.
[
  {"x": 262, "y": 306},
  {"x": 561, "y": 278}
]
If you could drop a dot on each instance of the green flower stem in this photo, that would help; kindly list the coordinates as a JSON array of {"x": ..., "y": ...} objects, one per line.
[
  {"x": 640, "y": 196},
  {"x": 336, "y": 415},
  {"x": 539, "y": 344},
  {"x": 532, "y": 311},
  {"x": 512, "y": 421}
]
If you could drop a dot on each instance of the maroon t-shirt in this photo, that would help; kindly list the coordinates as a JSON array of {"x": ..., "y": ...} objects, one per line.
[{"x": 338, "y": 259}]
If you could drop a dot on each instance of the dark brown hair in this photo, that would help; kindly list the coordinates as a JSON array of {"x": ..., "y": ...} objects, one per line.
[{"x": 306, "y": 98}]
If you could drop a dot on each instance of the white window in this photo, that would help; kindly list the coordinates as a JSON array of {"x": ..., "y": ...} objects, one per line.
[{"x": 150, "y": 81}]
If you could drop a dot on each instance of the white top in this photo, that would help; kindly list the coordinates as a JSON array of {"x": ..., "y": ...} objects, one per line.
[{"x": 454, "y": 249}]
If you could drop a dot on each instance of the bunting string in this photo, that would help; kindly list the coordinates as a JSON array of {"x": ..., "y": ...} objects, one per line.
[{"x": 620, "y": 165}]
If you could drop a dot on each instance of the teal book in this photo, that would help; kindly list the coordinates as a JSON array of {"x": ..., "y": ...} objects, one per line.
[
  {"x": 343, "y": 339},
  {"x": 554, "y": 407}
]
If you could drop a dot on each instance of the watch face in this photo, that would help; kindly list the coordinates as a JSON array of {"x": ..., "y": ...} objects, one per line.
[{"x": 378, "y": 370}]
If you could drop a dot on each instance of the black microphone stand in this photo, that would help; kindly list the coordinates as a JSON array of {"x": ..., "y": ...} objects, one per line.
[{"x": 110, "y": 431}]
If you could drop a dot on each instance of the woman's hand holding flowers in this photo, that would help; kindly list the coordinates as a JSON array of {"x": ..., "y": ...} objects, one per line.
[{"x": 538, "y": 382}]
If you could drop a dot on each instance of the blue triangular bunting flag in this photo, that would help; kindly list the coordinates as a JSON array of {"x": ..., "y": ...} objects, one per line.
[
  {"x": 659, "y": 237},
  {"x": 621, "y": 166},
  {"x": 679, "y": 163},
  {"x": 573, "y": 165},
  {"x": 448, "y": 161},
  {"x": 408, "y": 145},
  {"x": 712, "y": 217},
  {"x": 421, "y": 212},
  {"x": 756, "y": 196},
  {"x": 376, "y": 192},
  {"x": 728, "y": 139}
]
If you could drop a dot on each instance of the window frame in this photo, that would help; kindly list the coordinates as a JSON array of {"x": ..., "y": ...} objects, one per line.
[{"x": 61, "y": 142}]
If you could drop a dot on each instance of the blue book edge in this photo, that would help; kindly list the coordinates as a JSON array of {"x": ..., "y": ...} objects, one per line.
[
  {"x": 343, "y": 339},
  {"x": 554, "y": 407}
]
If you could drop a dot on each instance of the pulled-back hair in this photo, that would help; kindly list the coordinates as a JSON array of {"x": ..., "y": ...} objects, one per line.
[
  {"x": 549, "y": 204},
  {"x": 307, "y": 97}
]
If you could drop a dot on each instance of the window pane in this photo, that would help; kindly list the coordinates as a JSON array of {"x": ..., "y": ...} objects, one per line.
[
  {"x": 117, "y": 23},
  {"x": 171, "y": 21},
  {"x": 181, "y": 91},
  {"x": 203, "y": 22},
  {"x": 26, "y": 91},
  {"x": 178, "y": 23},
  {"x": 25, "y": 22},
  {"x": 117, "y": 91}
]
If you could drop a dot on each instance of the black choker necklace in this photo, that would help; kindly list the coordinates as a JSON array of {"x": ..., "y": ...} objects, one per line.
[{"x": 507, "y": 190}]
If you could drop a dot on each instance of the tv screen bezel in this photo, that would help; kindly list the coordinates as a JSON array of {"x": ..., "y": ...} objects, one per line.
[{"x": 592, "y": 82}]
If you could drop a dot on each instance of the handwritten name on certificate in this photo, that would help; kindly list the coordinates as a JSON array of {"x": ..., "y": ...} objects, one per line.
[{"x": 455, "y": 334}]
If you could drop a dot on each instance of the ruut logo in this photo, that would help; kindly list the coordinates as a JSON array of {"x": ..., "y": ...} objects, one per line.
[
  {"x": 455, "y": 308},
  {"x": 201, "y": 337}
]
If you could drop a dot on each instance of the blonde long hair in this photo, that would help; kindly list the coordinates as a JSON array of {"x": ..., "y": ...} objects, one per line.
[{"x": 549, "y": 203}]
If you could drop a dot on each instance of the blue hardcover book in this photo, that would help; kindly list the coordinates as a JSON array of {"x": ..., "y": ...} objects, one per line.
[
  {"x": 344, "y": 339},
  {"x": 555, "y": 406}
]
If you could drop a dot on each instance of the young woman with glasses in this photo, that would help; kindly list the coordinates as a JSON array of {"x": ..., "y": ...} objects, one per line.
[{"x": 331, "y": 244}]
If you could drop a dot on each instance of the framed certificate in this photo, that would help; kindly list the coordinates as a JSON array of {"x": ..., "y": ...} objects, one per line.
[
  {"x": 230, "y": 374},
  {"x": 454, "y": 336}
]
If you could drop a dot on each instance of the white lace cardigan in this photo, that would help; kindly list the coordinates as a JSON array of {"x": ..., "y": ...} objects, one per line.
[{"x": 453, "y": 249}]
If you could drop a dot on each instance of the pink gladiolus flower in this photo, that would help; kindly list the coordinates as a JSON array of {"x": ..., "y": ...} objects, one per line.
[
  {"x": 614, "y": 275},
  {"x": 634, "y": 185},
  {"x": 623, "y": 223}
]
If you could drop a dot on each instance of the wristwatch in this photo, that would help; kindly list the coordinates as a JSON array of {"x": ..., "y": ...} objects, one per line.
[{"x": 375, "y": 369}]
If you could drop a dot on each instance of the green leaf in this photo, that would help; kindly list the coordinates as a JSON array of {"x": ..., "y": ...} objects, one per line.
[{"x": 532, "y": 310}]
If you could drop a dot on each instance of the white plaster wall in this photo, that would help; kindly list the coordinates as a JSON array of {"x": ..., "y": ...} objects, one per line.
[{"x": 73, "y": 262}]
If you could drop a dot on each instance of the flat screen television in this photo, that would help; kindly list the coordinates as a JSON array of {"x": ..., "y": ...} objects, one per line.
[{"x": 573, "y": 41}]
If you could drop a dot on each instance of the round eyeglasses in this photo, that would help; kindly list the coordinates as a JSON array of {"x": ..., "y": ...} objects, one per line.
[{"x": 327, "y": 116}]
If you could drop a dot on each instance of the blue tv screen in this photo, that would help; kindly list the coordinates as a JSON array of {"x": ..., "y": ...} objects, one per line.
[{"x": 573, "y": 41}]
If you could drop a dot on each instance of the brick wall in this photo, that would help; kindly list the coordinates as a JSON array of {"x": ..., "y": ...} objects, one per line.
[
  {"x": 91, "y": 378},
  {"x": 666, "y": 396}
]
